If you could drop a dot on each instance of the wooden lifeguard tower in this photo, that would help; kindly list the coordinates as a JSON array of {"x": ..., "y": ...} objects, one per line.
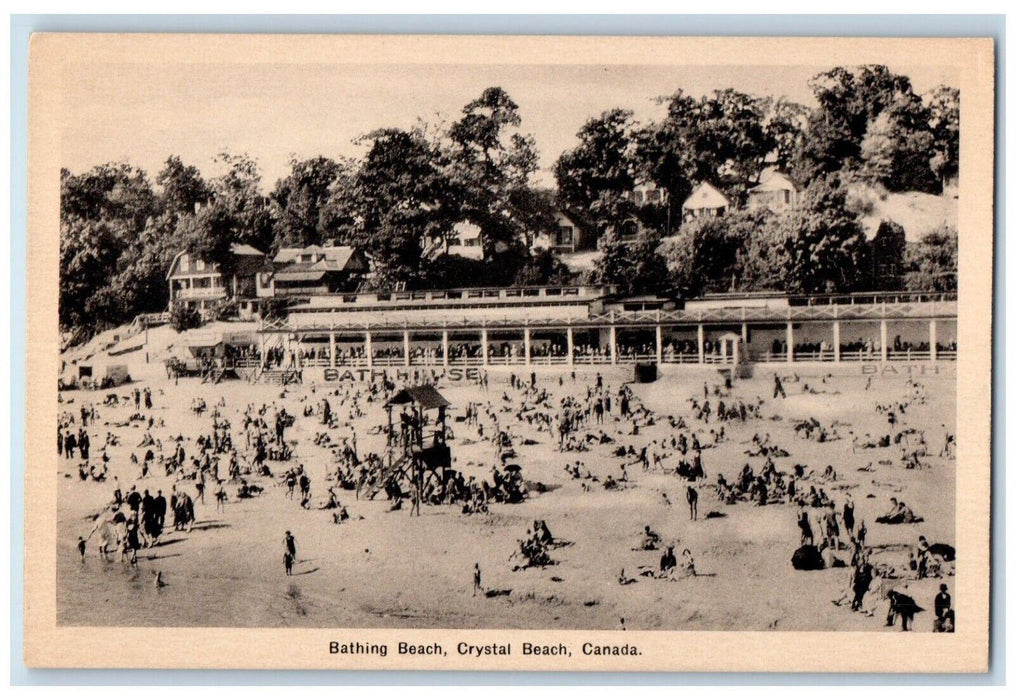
[{"x": 417, "y": 445}]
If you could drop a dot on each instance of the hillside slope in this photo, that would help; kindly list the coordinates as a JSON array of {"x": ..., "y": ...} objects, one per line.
[{"x": 917, "y": 212}]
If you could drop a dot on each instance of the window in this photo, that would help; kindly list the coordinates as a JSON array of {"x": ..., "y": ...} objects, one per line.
[
  {"x": 565, "y": 235},
  {"x": 199, "y": 265}
]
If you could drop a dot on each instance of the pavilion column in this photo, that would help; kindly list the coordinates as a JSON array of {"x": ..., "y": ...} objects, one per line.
[
  {"x": 933, "y": 339},
  {"x": 571, "y": 346},
  {"x": 368, "y": 347},
  {"x": 836, "y": 341},
  {"x": 659, "y": 344},
  {"x": 744, "y": 334},
  {"x": 263, "y": 348},
  {"x": 483, "y": 346},
  {"x": 298, "y": 352},
  {"x": 405, "y": 347},
  {"x": 527, "y": 345},
  {"x": 444, "y": 348},
  {"x": 884, "y": 339},
  {"x": 613, "y": 345},
  {"x": 790, "y": 341},
  {"x": 701, "y": 344},
  {"x": 331, "y": 349}
]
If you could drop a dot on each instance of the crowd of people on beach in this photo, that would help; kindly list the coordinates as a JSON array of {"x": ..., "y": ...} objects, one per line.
[{"x": 247, "y": 450}]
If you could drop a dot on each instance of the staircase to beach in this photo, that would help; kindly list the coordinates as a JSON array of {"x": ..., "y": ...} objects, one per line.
[{"x": 282, "y": 377}]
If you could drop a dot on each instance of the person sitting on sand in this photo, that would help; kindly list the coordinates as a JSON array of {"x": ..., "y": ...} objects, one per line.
[
  {"x": 650, "y": 540},
  {"x": 687, "y": 564},
  {"x": 668, "y": 561},
  {"x": 899, "y": 514},
  {"x": 942, "y": 551}
]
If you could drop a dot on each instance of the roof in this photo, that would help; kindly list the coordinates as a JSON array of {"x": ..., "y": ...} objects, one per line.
[
  {"x": 562, "y": 219},
  {"x": 332, "y": 257},
  {"x": 774, "y": 182},
  {"x": 244, "y": 266},
  {"x": 244, "y": 249},
  {"x": 425, "y": 395},
  {"x": 303, "y": 274},
  {"x": 466, "y": 230},
  {"x": 705, "y": 196}
]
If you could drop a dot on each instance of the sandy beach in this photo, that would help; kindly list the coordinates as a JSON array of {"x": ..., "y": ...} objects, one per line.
[{"x": 390, "y": 569}]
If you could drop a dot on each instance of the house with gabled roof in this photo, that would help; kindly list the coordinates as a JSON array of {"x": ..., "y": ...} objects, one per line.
[
  {"x": 775, "y": 192},
  {"x": 704, "y": 200},
  {"x": 313, "y": 269},
  {"x": 199, "y": 284}
]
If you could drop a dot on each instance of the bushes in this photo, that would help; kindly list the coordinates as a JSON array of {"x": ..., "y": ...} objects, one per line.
[{"x": 184, "y": 317}]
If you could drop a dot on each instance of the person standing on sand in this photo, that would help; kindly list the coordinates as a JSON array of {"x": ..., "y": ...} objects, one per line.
[
  {"x": 848, "y": 517},
  {"x": 477, "y": 582},
  {"x": 807, "y": 536},
  {"x": 81, "y": 548},
  {"x": 692, "y": 496},
  {"x": 289, "y": 542},
  {"x": 778, "y": 390}
]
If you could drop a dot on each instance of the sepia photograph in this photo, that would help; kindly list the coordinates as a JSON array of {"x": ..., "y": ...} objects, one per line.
[{"x": 587, "y": 343}]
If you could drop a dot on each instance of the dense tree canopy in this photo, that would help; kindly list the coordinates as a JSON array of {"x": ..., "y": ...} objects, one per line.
[
  {"x": 931, "y": 263},
  {"x": 410, "y": 188},
  {"x": 825, "y": 244}
]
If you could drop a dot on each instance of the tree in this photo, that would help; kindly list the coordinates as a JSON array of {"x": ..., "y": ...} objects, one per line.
[
  {"x": 237, "y": 192},
  {"x": 763, "y": 259},
  {"x": 299, "y": 199},
  {"x": 490, "y": 162},
  {"x": 784, "y": 123},
  {"x": 931, "y": 263},
  {"x": 849, "y": 99},
  {"x": 595, "y": 177},
  {"x": 888, "y": 248},
  {"x": 114, "y": 192},
  {"x": 210, "y": 236},
  {"x": 825, "y": 244},
  {"x": 944, "y": 122},
  {"x": 183, "y": 188},
  {"x": 635, "y": 268},
  {"x": 543, "y": 268},
  {"x": 398, "y": 199},
  {"x": 140, "y": 281},
  {"x": 89, "y": 251},
  {"x": 896, "y": 147},
  {"x": 714, "y": 246}
]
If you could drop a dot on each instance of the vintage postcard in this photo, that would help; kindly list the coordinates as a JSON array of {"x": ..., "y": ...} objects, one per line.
[{"x": 509, "y": 353}]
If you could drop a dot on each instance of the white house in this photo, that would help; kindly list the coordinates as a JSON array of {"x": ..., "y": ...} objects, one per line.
[
  {"x": 465, "y": 240},
  {"x": 776, "y": 192},
  {"x": 705, "y": 200},
  {"x": 197, "y": 283}
]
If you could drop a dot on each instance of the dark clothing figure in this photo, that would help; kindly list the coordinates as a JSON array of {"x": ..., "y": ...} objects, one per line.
[
  {"x": 807, "y": 558},
  {"x": 943, "y": 603},
  {"x": 668, "y": 561},
  {"x": 862, "y": 582},
  {"x": 807, "y": 536},
  {"x": 778, "y": 390},
  {"x": 692, "y": 496},
  {"x": 903, "y": 606}
]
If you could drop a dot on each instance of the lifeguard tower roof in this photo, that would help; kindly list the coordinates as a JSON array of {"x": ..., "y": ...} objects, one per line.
[{"x": 425, "y": 395}]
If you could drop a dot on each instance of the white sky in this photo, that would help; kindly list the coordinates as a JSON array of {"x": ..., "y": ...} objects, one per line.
[{"x": 144, "y": 113}]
